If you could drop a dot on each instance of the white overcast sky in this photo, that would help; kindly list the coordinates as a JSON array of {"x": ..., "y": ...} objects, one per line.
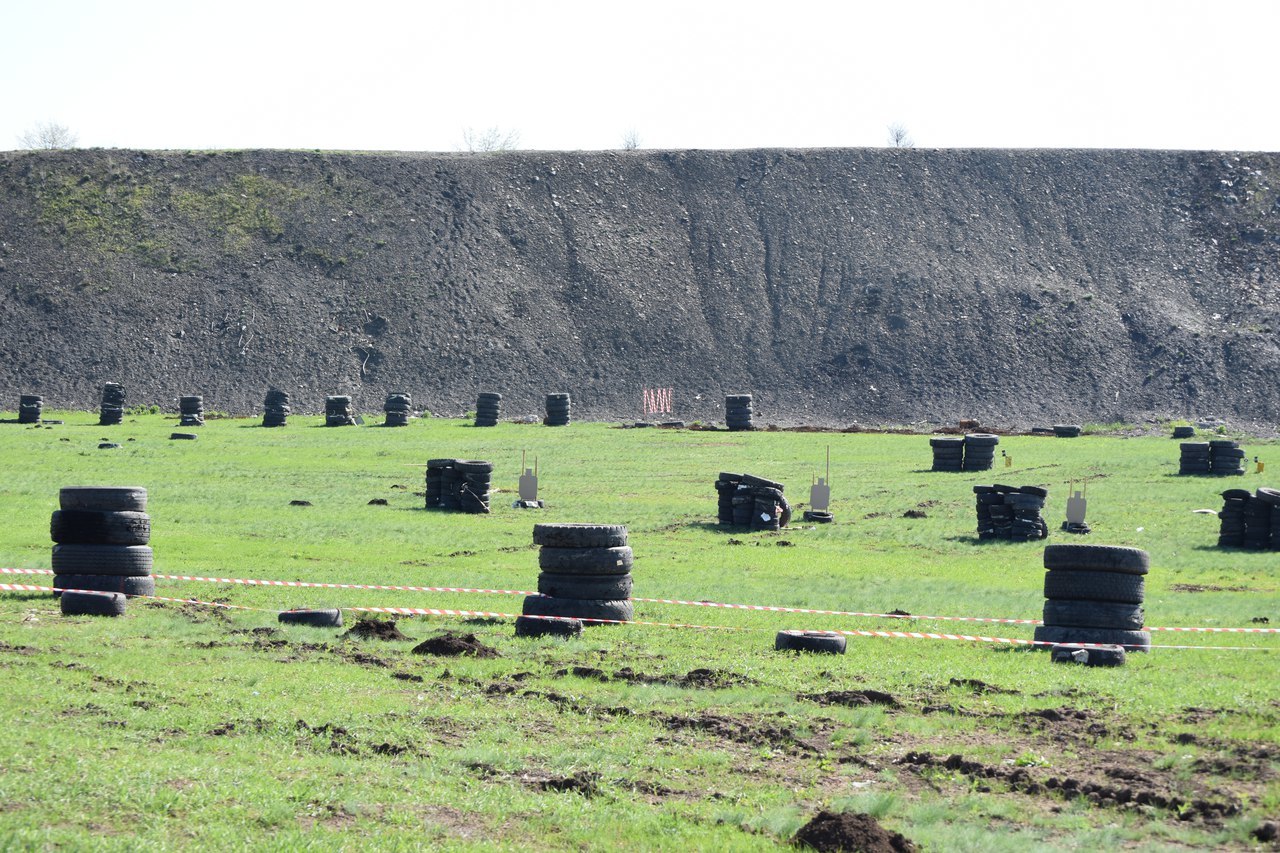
[{"x": 413, "y": 76}]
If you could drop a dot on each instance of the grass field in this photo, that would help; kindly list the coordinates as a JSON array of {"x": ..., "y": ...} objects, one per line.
[{"x": 183, "y": 725}]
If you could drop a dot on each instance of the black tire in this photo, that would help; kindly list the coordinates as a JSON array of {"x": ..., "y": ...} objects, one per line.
[
  {"x": 472, "y": 466},
  {"x": 1094, "y": 614},
  {"x": 92, "y": 604},
  {"x": 92, "y": 527},
  {"x": 1094, "y": 586},
  {"x": 1035, "y": 491},
  {"x": 818, "y": 516},
  {"x": 1088, "y": 655},
  {"x": 1268, "y": 496},
  {"x": 580, "y": 535},
  {"x": 1237, "y": 495},
  {"x": 604, "y": 587},
  {"x": 315, "y": 618},
  {"x": 1097, "y": 558},
  {"x": 126, "y": 584},
  {"x": 535, "y": 626},
  {"x": 821, "y": 642},
  {"x": 1052, "y": 635},
  {"x": 982, "y": 439},
  {"x": 183, "y": 436},
  {"x": 589, "y": 610},
  {"x": 760, "y": 482},
  {"x": 586, "y": 561},
  {"x": 102, "y": 560},
  {"x": 784, "y": 512},
  {"x": 105, "y": 498}
]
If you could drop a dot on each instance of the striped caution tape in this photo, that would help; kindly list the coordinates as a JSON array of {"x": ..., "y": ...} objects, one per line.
[
  {"x": 763, "y": 608},
  {"x": 23, "y": 587}
]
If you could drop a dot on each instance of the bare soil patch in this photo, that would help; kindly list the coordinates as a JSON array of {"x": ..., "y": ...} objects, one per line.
[{"x": 829, "y": 831}]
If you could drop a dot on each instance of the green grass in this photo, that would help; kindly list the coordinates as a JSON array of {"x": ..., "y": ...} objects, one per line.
[{"x": 177, "y": 726}]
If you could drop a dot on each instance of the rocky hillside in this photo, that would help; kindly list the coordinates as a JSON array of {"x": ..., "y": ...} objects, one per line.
[{"x": 837, "y": 285}]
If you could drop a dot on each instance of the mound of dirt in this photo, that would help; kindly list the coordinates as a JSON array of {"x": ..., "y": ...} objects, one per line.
[
  {"x": 375, "y": 629},
  {"x": 847, "y": 831},
  {"x": 450, "y": 644}
]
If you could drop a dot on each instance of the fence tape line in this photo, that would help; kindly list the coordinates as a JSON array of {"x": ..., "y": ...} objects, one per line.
[
  {"x": 678, "y": 601},
  {"x": 23, "y": 587}
]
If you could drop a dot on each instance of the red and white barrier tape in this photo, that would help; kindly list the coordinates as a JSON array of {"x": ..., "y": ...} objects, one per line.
[
  {"x": 23, "y": 587},
  {"x": 752, "y": 607}
]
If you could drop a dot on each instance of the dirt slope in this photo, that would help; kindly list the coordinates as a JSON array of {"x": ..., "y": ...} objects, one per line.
[{"x": 869, "y": 284}]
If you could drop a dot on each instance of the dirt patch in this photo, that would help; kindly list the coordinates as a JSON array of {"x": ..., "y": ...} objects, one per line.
[
  {"x": 981, "y": 688},
  {"x": 375, "y": 629},
  {"x": 743, "y": 730},
  {"x": 1209, "y": 587},
  {"x": 584, "y": 782},
  {"x": 706, "y": 679},
  {"x": 362, "y": 658},
  {"x": 377, "y": 502},
  {"x": 407, "y": 676},
  {"x": 829, "y": 831},
  {"x": 17, "y": 650},
  {"x": 450, "y": 644},
  {"x": 915, "y": 513},
  {"x": 852, "y": 698}
]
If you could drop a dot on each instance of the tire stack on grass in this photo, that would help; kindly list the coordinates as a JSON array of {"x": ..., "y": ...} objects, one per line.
[
  {"x": 1009, "y": 512},
  {"x": 979, "y": 451},
  {"x": 112, "y": 405},
  {"x": 29, "y": 408},
  {"x": 1194, "y": 458},
  {"x": 1184, "y": 432},
  {"x": 558, "y": 406},
  {"x": 1067, "y": 430},
  {"x": 1094, "y": 594},
  {"x": 751, "y": 502},
  {"x": 459, "y": 484},
  {"x": 1232, "y": 518},
  {"x": 101, "y": 535},
  {"x": 1260, "y": 518},
  {"x": 337, "y": 411},
  {"x": 275, "y": 408},
  {"x": 726, "y": 488},
  {"x": 191, "y": 411},
  {"x": 488, "y": 403},
  {"x": 586, "y": 575},
  {"x": 989, "y": 500},
  {"x": 738, "y": 412},
  {"x": 1226, "y": 458},
  {"x": 397, "y": 408},
  {"x": 948, "y": 453}
]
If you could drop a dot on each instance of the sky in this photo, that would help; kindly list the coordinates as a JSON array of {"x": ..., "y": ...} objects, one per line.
[{"x": 572, "y": 75}]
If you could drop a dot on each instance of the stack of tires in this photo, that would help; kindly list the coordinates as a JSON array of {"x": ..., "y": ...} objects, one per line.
[
  {"x": 750, "y": 502},
  {"x": 979, "y": 451},
  {"x": 1232, "y": 518},
  {"x": 488, "y": 403},
  {"x": 275, "y": 408},
  {"x": 1009, "y": 512},
  {"x": 337, "y": 411},
  {"x": 101, "y": 535},
  {"x": 948, "y": 453},
  {"x": 1184, "y": 432},
  {"x": 1226, "y": 458},
  {"x": 112, "y": 405},
  {"x": 1067, "y": 430},
  {"x": 1250, "y": 520},
  {"x": 191, "y": 411},
  {"x": 397, "y": 408},
  {"x": 459, "y": 484},
  {"x": 1258, "y": 519},
  {"x": 737, "y": 412},
  {"x": 29, "y": 408},
  {"x": 586, "y": 576},
  {"x": 558, "y": 406},
  {"x": 1094, "y": 594},
  {"x": 1194, "y": 458},
  {"x": 726, "y": 490}
]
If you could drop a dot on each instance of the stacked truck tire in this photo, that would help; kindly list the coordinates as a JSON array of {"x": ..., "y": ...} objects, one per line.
[
  {"x": 275, "y": 408},
  {"x": 979, "y": 451},
  {"x": 459, "y": 484},
  {"x": 101, "y": 536},
  {"x": 585, "y": 575},
  {"x": 191, "y": 411},
  {"x": 489, "y": 404},
  {"x": 558, "y": 410},
  {"x": 1094, "y": 595},
  {"x": 29, "y": 408},
  {"x": 398, "y": 408},
  {"x": 1250, "y": 520},
  {"x": 738, "y": 412},
  {"x": 751, "y": 503},
  {"x": 338, "y": 411},
  {"x": 112, "y": 411},
  {"x": 1220, "y": 458},
  {"x": 1010, "y": 512}
]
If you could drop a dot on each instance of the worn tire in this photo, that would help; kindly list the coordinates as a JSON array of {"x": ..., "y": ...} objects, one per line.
[
  {"x": 94, "y": 527},
  {"x": 535, "y": 626},
  {"x": 821, "y": 642},
  {"x": 1094, "y": 614},
  {"x": 1111, "y": 655},
  {"x": 1097, "y": 558},
  {"x": 1094, "y": 586},
  {"x": 104, "y": 498},
  {"x": 604, "y": 587},
  {"x": 1052, "y": 635},
  {"x": 126, "y": 584},
  {"x": 586, "y": 561},
  {"x": 580, "y": 535},
  {"x": 331, "y": 618},
  {"x": 80, "y": 559},
  {"x": 92, "y": 604},
  {"x": 760, "y": 482},
  {"x": 586, "y": 609}
]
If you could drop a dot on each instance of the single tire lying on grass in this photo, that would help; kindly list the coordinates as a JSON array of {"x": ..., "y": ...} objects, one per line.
[
  {"x": 1052, "y": 635},
  {"x": 821, "y": 642},
  {"x": 580, "y": 535},
  {"x": 105, "y": 498},
  {"x": 1097, "y": 558},
  {"x": 126, "y": 584},
  {"x": 331, "y": 618},
  {"x": 92, "y": 527},
  {"x": 92, "y": 604},
  {"x": 586, "y": 609},
  {"x": 1088, "y": 655},
  {"x": 534, "y": 626},
  {"x": 586, "y": 561},
  {"x": 102, "y": 559}
]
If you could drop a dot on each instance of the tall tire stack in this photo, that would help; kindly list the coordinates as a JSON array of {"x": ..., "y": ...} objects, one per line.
[
  {"x": 191, "y": 411},
  {"x": 993, "y": 515},
  {"x": 1272, "y": 496},
  {"x": 1067, "y": 430},
  {"x": 1226, "y": 458},
  {"x": 338, "y": 412},
  {"x": 979, "y": 451},
  {"x": 112, "y": 405},
  {"x": 948, "y": 453},
  {"x": 441, "y": 484},
  {"x": 1193, "y": 458},
  {"x": 585, "y": 573},
  {"x": 275, "y": 408},
  {"x": 397, "y": 408},
  {"x": 751, "y": 502},
  {"x": 1008, "y": 512},
  {"x": 101, "y": 535},
  {"x": 558, "y": 406},
  {"x": 726, "y": 488},
  {"x": 1184, "y": 432},
  {"x": 1094, "y": 594},
  {"x": 488, "y": 404},
  {"x": 738, "y": 412},
  {"x": 29, "y": 408},
  {"x": 1258, "y": 513},
  {"x": 459, "y": 484},
  {"x": 1232, "y": 518}
]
